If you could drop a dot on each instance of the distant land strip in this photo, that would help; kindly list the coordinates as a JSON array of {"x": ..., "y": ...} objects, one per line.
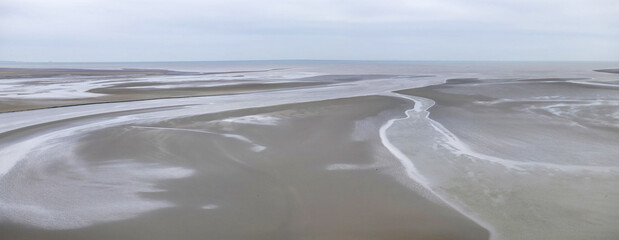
[{"x": 614, "y": 70}]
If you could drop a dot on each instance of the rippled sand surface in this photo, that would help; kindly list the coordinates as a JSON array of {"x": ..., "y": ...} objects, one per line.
[{"x": 309, "y": 150}]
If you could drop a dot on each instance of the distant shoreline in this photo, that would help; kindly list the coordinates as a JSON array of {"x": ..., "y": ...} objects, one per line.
[{"x": 299, "y": 61}]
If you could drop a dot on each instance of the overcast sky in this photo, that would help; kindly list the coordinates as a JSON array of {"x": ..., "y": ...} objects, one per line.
[{"x": 169, "y": 30}]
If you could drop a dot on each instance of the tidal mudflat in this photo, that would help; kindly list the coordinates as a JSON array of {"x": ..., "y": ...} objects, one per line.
[{"x": 309, "y": 150}]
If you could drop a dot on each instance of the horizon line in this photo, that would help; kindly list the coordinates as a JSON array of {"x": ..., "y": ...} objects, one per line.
[{"x": 296, "y": 60}]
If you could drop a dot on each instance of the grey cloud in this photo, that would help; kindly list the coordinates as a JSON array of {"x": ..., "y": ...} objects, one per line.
[{"x": 98, "y": 30}]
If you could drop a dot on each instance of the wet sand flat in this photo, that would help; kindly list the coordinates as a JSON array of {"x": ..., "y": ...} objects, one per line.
[
  {"x": 70, "y": 87},
  {"x": 128, "y": 95},
  {"x": 530, "y": 151},
  {"x": 502, "y": 119},
  {"x": 38, "y": 88},
  {"x": 297, "y": 150},
  {"x": 300, "y": 171}
]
